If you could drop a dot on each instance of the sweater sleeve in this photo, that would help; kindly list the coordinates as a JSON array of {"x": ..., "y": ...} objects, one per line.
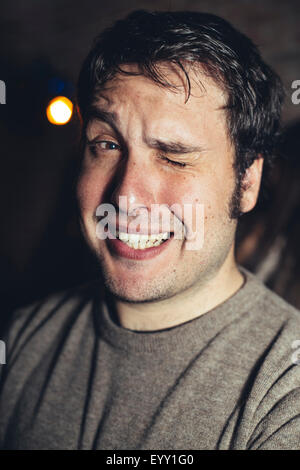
[
  {"x": 276, "y": 396},
  {"x": 267, "y": 416},
  {"x": 280, "y": 427}
]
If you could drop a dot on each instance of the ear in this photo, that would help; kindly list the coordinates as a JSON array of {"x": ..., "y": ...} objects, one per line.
[{"x": 251, "y": 184}]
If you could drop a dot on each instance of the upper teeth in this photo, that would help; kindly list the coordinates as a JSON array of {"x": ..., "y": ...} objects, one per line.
[{"x": 137, "y": 241}]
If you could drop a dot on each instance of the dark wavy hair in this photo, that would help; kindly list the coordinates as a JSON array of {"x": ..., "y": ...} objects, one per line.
[{"x": 254, "y": 91}]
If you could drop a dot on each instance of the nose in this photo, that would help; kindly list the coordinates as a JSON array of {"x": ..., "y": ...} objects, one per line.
[{"x": 133, "y": 186}]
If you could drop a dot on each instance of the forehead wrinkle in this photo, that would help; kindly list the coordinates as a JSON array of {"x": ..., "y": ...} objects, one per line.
[
  {"x": 100, "y": 95},
  {"x": 112, "y": 100}
]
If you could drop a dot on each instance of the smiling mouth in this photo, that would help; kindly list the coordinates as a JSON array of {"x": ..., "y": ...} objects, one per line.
[{"x": 141, "y": 241}]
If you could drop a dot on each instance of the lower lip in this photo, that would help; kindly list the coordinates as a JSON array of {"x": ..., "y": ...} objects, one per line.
[{"x": 121, "y": 249}]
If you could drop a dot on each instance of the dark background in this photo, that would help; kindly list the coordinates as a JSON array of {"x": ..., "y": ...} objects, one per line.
[{"x": 40, "y": 246}]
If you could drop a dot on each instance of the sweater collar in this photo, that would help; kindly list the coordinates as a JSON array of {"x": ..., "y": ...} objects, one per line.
[{"x": 190, "y": 334}]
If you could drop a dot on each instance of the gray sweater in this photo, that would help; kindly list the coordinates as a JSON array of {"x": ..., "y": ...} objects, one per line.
[{"x": 228, "y": 379}]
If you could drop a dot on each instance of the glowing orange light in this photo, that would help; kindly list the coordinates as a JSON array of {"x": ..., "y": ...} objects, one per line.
[{"x": 59, "y": 110}]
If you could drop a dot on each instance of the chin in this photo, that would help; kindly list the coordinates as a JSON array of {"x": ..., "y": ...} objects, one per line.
[{"x": 136, "y": 293}]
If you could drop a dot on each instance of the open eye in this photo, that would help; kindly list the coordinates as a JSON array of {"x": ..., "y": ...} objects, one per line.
[
  {"x": 97, "y": 146},
  {"x": 107, "y": 145}
]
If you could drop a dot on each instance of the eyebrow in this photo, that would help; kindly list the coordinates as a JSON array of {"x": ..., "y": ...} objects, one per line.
[
  {"x": 98, "y": 114},
  {"x": 173, "y": 147},
  {"x": 110, "y": 118}
]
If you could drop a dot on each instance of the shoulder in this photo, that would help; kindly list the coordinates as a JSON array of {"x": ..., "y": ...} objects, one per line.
[
  {"x": 267, "y": 415},
  {"x": 271, "y": 309},
  {"x": 44, "y": 320},
  {"x": 270, "y": 334}
]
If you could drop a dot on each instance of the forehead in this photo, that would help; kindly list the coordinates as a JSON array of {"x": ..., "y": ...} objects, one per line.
[
  {"x": 204, "y": 91},
  {"x": 140, "y": 108}
]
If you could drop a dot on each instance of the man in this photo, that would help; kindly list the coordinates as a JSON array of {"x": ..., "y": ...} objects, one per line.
[{"x": 174, "y": 346}]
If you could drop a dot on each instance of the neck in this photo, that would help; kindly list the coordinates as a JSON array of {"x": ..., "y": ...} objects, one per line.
[{"x": 185, "y": 306}]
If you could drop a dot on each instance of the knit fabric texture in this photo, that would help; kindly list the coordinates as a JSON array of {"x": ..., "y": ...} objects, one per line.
[{"x": 228, "y": 379}]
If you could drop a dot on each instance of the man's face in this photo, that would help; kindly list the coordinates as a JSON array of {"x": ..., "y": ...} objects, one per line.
[{"x": 153, "y": 147}]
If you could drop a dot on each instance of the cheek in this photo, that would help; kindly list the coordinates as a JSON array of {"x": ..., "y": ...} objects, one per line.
[
  {"x": 189, "y": 199},
  {"x": 204, "y": 202},
  {"x": 196, "y": 191},
  {"x": 89, "y": 191}
]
